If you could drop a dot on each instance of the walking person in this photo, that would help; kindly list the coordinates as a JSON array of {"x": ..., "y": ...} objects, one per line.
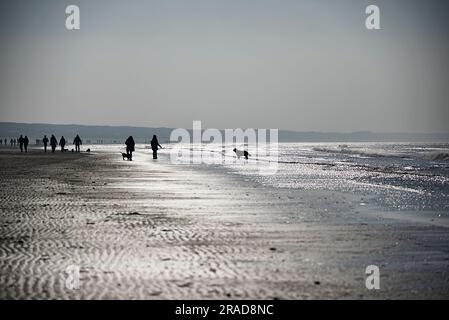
[
  {"x": 45, "y": 141},
  {"x": 77, "y": 141},
  {"x": 154, "y": 146},
  {"x": 20, "y": 141},
  {"x": 11, "y": 142},
  {"x": 62, "y": 143},
  {"x": 130, "y": 147},
  {"x": 53, "y": 143},
  {"x": 25, "y": 143}
]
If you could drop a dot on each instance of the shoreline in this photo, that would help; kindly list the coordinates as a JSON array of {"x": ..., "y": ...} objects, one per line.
[{"x": 153, "y": 230}]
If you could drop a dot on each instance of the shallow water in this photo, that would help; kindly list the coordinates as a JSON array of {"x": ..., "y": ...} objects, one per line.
[{"x": 395, "y": 176}]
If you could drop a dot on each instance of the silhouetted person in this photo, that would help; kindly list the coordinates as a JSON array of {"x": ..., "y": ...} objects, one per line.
[
  {"x": 77, "y": 141},
  {"x": 154, "y": 146},
  {"x": 62, "y": 143},
  {"x": 130, "y": 147},
  {"x": 11, "y": 142},
  {"x": 53, "y": 143},
  {"x": 25, "y": 143},
  {"x": 20, "y": 141},
  {"x": 45, "y": 141},
  {"x": 15, "y": 143},
  {"x": 1, "y": 142}
]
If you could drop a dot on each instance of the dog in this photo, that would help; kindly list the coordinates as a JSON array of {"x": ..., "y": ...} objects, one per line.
[
  {"x": 127, "y": 156},
  {"x": 240, "y": 153},
  {"x": 88, "y": 150}
]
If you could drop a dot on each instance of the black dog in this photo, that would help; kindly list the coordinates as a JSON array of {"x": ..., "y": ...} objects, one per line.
[
  {"x": 240, "y": 153},
  {"x": 127, "y": 156}
]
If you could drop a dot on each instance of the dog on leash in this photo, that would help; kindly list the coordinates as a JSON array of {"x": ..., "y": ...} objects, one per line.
[
  {"x": 127, "y": 156},
  {"x": 240, "y": 153}
]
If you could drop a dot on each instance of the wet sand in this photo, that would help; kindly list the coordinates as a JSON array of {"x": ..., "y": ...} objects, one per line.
[{"x": 151, "y": 230}]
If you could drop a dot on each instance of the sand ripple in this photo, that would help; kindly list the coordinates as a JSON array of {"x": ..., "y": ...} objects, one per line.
[{"x": 146, "y": 230}]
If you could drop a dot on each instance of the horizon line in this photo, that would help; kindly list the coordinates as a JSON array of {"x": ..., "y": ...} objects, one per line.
[{"x": 284, "y": 130}]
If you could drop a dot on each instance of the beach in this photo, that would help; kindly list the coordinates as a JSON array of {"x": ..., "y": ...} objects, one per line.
[{"x": 155, "y": 230}]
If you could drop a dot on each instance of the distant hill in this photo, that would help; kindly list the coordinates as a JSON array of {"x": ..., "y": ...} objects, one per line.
[
  {"x": 118, "y": 134},
  {"x": 361, "y": 136}
]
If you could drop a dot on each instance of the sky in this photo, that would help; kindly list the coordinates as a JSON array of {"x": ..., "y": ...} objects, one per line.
[{"x": 295, "y": 65}]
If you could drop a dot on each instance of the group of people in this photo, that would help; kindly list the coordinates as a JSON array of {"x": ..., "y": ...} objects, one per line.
[
  {"x": 77, "y": 142},
  {"x": 24, "y": 141},
  {"x": 62, "y": 143},
  {"x": 130, "y": 147},
  {"x": 21, "y": 141},
  {"x": 12, "y": 142}
]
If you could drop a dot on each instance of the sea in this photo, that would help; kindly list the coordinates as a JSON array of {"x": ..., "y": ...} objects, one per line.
[{"x": 395, "y": 176}]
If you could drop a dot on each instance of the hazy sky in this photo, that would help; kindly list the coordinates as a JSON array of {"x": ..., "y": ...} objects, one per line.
[{"x": 300, "y": 65}]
